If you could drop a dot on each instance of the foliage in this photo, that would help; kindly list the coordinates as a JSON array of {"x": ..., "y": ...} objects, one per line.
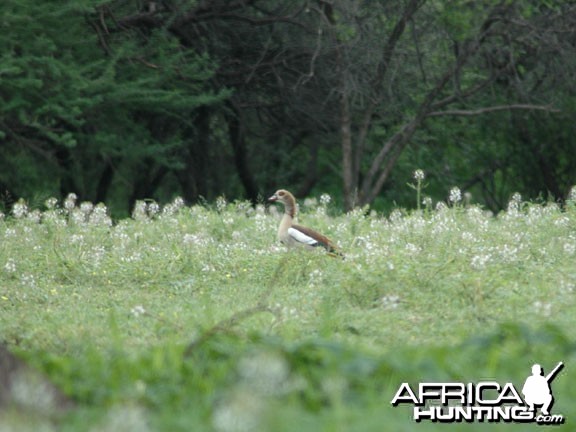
[
  {"x": 119, "y": 101},
  {"x": 186, "y": 318},
  {"x": 81, "y": 114}
]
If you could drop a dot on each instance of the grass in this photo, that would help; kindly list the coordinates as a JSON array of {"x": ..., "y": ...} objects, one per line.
[{"x": 194, "y": 318}]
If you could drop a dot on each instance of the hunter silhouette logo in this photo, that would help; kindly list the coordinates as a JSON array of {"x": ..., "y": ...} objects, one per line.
[
  {"x": 484, "y": 401},
  {"x": 537, "y": 390}
]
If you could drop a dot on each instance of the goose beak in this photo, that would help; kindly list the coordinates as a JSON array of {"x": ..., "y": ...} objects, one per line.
[{"x": 273, "y": 198}]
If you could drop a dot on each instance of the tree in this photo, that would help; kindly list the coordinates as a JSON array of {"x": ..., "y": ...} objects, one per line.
[
  {"x": 80, "y": 109},
  {"x": 481, "y": 44},
  {"x": 243, "y": 96},
  {"x": 371, "y": 75}
]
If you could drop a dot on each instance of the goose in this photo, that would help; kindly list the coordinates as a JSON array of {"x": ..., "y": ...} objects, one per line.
[{"x": 292, "y": 234}]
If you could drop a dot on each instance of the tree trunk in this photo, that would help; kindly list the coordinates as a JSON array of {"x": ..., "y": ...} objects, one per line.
[
  {"x": 238, "y": 142},
  {"x": 347, "y": 153},
  {"x": 105, "y": 181},
  {"x": 67, "y": 182},
  {"x": 147, "y": 182}
]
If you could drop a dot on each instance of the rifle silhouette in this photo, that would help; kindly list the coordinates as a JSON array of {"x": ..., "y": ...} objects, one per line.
[{"x": 554, "y": 372}]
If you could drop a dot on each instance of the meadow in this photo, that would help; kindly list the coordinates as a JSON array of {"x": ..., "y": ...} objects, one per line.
[{"x": 194, "y": 318}]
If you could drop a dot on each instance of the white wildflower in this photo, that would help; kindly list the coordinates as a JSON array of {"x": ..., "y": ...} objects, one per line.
[
  {"x": 567, "y": 287},
  {"x": 70, "y": 201},
  {"x": 551, "y": 208},
  {"x": 390, "y": 302},
  {"x": 191, "y": 239},
  {"x": 514, "y": 204},
  {"x": 310, "y": 202},
  {"x": 569, "y": 248},
  {"x": 542, "y": 308},
  {"x": 20, "y": 209},
  {"x": 139, "y": 211},
  {"x": 10, "y": 266},
  {"x": 96, "y": 255},
  {"x": 28, "y": 280},
  {"x": 455, "y": 195},
  {"x": 314, "y": 277},
  {"x": 572, "y": 194},
  {"x": 99, "y": 216},
  {"x": 419, "y": 175},
  {"x": 562, "y": 221},
  {"x": 508, "y": 253},
  {"x": 178, "y": 202},
  {"x": 133, "y": 257},
  {"x": 51, "y": 203},
  {"x": 479, "y": 261},
  {"x": 153, "y": 209},
  {"x": 412, "y": 249},
  {"x": 34, "y": 216},
  {"x": 325, "y": 199},
  {"x": 260, "y": 210},
  {"x": 208, "y": 268},
  {"x": 86, "y": 207},
  {"x": 285, "y": 311},
  {"x": 77, "y": 238},
  {"x": 274, "y": 211},
  {"x": 138, "y": 310},
  {"x": 77, "y": 217},
  {"x": 220, "y": 203},
  {"x": 441, "y": 206},
  {"x": 395, "y": 216}
]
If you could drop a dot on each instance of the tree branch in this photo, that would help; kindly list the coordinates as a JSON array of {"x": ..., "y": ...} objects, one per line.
[
  {"x": 392, "y": 41},
  {"x": 378, "y": 173},
  {"x": 478, "y": 111},
  {"x": 352, "y": 153}
]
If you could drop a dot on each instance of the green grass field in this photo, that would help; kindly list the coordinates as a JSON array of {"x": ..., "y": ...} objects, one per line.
[{"x": 194, "y": 318}]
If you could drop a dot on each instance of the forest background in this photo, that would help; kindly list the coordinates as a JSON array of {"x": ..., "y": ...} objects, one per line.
[{"x": 119, "y": 100}]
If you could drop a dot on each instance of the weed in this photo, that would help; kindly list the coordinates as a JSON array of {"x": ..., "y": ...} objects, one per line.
[{"x": 187, "y": 318}]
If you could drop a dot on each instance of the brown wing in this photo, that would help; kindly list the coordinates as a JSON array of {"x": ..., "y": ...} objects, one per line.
[{"x": 322, "y": 240}]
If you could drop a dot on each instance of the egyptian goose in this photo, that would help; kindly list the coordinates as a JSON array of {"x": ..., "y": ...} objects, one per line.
[{"x": 296, "y": 235}]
